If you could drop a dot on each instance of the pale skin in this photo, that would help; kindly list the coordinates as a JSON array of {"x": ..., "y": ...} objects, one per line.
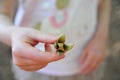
[
  {"x": 23, "y": 40},
  {"x": 96, "y": 50}
]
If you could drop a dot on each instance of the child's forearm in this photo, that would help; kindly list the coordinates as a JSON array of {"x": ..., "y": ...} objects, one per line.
[
  {"x": 5, "y": 29},
  {"x": 6, "y": 19},
  {"x": 8, "y": 7},
  {"x": 103, "y": 19}
]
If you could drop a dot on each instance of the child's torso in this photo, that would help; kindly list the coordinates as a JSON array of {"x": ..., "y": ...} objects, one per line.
[{"x": 77, "y": 19}]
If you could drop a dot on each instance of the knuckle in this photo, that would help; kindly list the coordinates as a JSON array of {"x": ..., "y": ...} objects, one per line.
[
  {"x": 16, "y": 51},
  {"x": 16, "y": 63}
]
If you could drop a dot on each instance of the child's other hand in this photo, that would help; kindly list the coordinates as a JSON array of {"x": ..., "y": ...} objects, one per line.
[
  {"x": 93, "y": 55},
  {"x": 25, "y": 55}
]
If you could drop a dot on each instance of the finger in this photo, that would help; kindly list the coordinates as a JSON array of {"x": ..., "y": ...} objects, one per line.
[
  {"x": 92, "y": 67},
  {"x": 48, "y": 48},
  {"x": 36, "y": 55},
  {"x": 98, "y": 58},
  {"x": 45, "y": 56},
  {"x": 87, "y": 63},
  {"x": 33, "y": 68},
  {"x": 93, "y": 64},
  {"x": 42, "y": 37},
  {"x": 22, "y": 62}
]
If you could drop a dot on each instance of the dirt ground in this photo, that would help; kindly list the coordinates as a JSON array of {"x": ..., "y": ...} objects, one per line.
[{"x": 112, "y": 69}]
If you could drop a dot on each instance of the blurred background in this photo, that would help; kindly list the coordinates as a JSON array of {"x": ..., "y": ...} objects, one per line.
[{"x": 112, "y": 67}]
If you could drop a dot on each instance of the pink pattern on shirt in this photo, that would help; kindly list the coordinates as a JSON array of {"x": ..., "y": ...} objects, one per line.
[{"x": 59, "y": 24}]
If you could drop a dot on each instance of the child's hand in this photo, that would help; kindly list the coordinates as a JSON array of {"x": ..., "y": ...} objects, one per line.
[
  {"x": 93, "y": 55},
  {"x": 25, "y": 55}
]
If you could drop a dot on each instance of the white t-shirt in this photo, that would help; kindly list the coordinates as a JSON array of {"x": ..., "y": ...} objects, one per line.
[{"x": 77, "y": 21}]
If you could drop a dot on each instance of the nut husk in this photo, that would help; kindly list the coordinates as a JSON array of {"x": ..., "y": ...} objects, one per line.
[{"x": 60, "y": 45}]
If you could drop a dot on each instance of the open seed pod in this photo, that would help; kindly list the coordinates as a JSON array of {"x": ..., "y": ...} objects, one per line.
[{"x": 61, "y": 47}]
